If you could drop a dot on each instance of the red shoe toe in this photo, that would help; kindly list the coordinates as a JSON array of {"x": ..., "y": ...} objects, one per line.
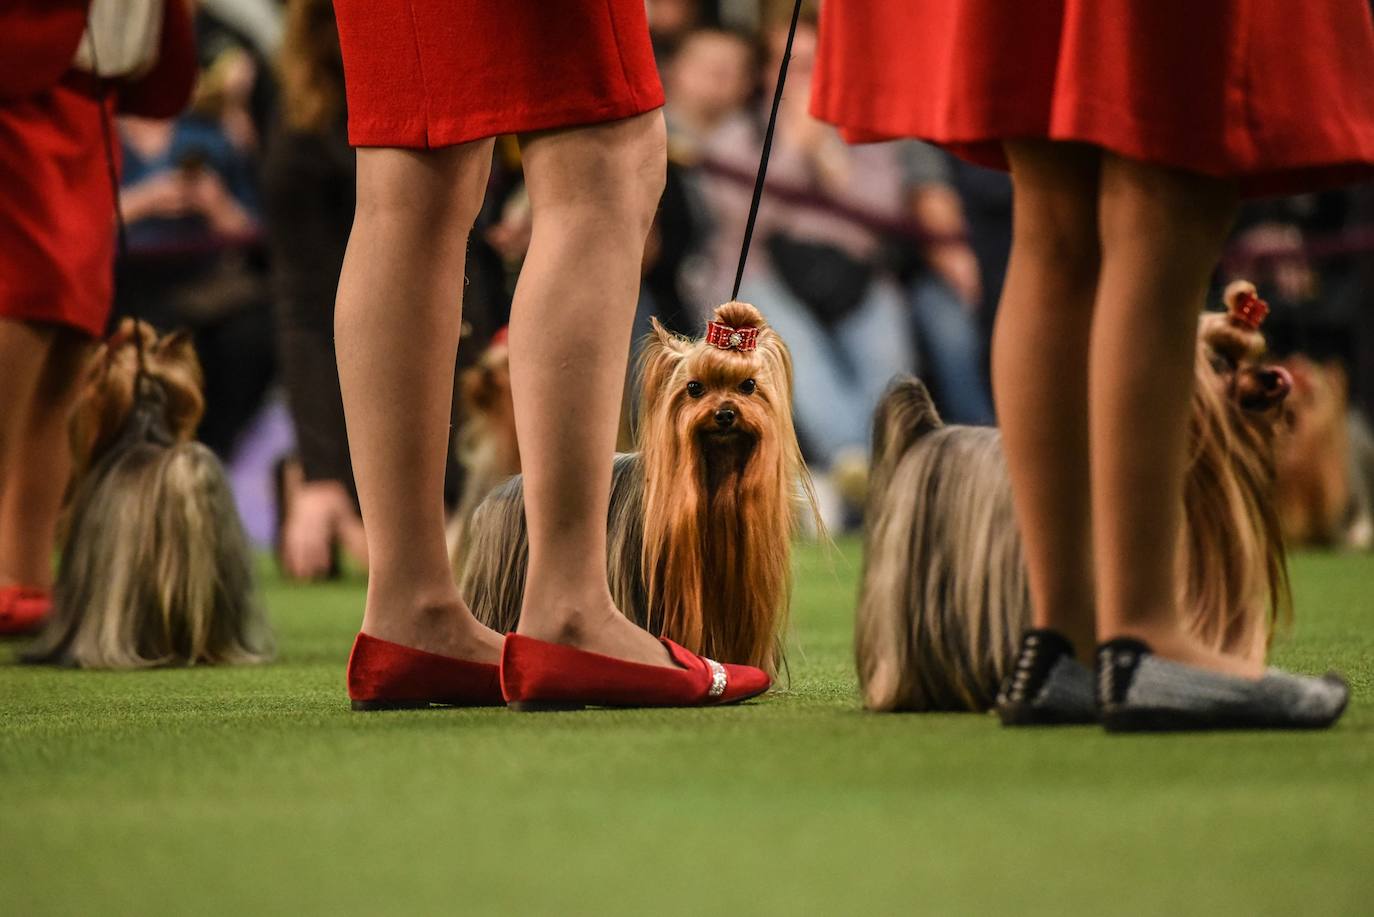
[
  {"x": 388, "y": 676},
  {"x": 23, "y": 610},
  {"x": 537, "y": 675},
  {"x": 743, "y": 682}
]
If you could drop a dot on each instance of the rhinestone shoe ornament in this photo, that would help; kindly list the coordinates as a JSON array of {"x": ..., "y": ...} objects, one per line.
[{"x": 718, "y": 678}]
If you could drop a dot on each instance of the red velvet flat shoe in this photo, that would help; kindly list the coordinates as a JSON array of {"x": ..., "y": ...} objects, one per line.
[
  {"x": 22, "y": 610},
  {"x": 387, "y": 676},
  {"x": 537, "y": 675}
]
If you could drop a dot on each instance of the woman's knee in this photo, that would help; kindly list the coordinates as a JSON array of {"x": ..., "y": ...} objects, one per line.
[
  {"x": 424, "y": 189},
  {"x": 1149, "y": 207},
  {"x": 614, "y": 170},
  {"x": 1054, "y": 210}
]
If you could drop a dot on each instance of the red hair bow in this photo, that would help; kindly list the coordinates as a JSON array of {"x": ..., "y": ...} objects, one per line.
[
  {"x": 1249, "y": 310},
  {"x": 727, "y": 338}
]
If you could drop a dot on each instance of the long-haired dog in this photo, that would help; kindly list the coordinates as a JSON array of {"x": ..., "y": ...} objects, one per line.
[
  {"x": 155, "y": 567},
  {"x": 702, "y": 514},
  {"x": 944, "y": 596},
  {"x": 1325, "y": 461}
]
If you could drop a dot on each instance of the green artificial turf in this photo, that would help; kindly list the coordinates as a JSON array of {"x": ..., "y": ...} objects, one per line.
[{"x": 256, "y": 791}]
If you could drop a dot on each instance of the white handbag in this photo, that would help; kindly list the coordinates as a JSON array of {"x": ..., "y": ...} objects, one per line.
[{"x": 121, "y": 37}]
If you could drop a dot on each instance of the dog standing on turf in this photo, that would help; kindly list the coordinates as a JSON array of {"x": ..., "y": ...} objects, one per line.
[
  {"x": 701, "y": 515},
  {"x": 944, "y": 598},
  {"x": 155, "y": 569}
]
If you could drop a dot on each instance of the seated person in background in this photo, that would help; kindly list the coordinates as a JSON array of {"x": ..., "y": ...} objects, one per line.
[
  {"x": 819, "y": 270},
  {"x": 946, "y": 288},
  {"x": 708, "y": 81}
]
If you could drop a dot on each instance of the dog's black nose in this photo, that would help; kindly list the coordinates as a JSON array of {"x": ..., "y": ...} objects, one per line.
[{"x": 725, "y": 418}]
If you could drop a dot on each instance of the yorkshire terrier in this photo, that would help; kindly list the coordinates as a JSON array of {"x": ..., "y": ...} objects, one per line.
[
  {"x": 944, "y": 598},
  {"x": 1325, "y": 461},
  {"x": 155, "y": 567},
  {"x": 702, "y": 513}
]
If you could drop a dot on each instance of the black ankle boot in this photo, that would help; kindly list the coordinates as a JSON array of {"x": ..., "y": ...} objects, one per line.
[{"x": 1047, "y": 686}]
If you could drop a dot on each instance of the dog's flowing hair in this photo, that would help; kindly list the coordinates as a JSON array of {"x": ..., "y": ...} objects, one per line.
[
  {"x": 944, "y": 595},
  {"x": 155, "y": 567},
  {"x": 702, "y": 514}
]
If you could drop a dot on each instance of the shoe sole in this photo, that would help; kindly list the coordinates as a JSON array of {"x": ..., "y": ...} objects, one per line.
[
  {"x": 371, "y": 706},
  {"x": 1164, "y": 719},
  {"x": 554, "y": 706}
]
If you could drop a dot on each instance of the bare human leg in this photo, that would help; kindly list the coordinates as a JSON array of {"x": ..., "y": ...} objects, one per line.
[
  {"x": 593, "y": 191},
  {"x": 397, "y": 324},
  {"x": 1162, "y": 232},
  {"x": 1040, "y": 376},
  {"x": 40, "y": 374}
]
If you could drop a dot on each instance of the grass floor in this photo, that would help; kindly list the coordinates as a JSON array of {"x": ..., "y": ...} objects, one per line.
[{"x": 256, "y": 791}]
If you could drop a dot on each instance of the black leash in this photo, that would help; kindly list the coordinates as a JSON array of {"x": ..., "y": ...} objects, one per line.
[{"x": 767, "y": 148}]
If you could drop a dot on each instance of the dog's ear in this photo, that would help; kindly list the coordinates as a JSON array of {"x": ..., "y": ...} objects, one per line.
[
  {"x": 176, "y": 346},
  {"x": 905, "y": 414},
  {"x": 660, "y": 353},
  {"x": 659, "y": 336}
]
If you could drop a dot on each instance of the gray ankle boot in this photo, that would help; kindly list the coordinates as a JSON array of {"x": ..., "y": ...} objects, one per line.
[{"x": 1140, "y": 692}]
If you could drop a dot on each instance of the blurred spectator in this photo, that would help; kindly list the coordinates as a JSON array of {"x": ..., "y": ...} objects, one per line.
[
  {"x": 1315, "y": 296},
  {"x": 190, "y": 200},
  {"x": 259, "y": 22},
  {"x": 237, "y": 42},
  {"x": 985, "y": 195},
  {"x": 669, "y": 22},
  {"x": 224, "y": 95},
  {"x": 820, "y": 269},
  {"x": 946, "y": 288},
  {"x": 708, "y": 80},
  {"x": 308, "y": 187}
]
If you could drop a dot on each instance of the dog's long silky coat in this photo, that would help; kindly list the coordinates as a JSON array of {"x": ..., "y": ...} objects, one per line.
[
  {"x": 155, "y": 568},
  {"x": 701, "y": 515},
  {"x": 944, "y": 596}
]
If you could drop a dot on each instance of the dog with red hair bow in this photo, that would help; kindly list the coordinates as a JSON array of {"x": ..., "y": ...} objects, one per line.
[{"x": 702, "y": 513}]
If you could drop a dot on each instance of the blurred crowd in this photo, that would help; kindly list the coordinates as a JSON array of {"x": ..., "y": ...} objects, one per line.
[{"x": 869, "y": 260}]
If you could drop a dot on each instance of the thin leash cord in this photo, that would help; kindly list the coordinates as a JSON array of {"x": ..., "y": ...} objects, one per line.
[
  {"x": 121, "y": 228},
  {"x": 767, "y": 148}
]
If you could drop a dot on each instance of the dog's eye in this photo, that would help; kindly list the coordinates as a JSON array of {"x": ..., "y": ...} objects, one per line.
[
  {"x": 747, "y": 387},
  {"x": 1221, "y": 363},
  {"x": 695, "y": 389}
]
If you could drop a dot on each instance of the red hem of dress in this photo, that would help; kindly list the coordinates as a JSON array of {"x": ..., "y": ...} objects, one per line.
[
  {"x": 1278, "y": 177},
  {"x": 415, "y": 134},
  {"x": 43, "y": 315}
]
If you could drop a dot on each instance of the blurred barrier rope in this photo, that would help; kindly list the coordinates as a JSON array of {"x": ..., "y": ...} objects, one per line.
[{"x": 1352, "y": 240}]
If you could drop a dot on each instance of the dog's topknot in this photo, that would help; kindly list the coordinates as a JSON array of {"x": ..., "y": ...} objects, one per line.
[
  {"x": 739, "y": 315},
  {"x": 1228, "y": 336}
]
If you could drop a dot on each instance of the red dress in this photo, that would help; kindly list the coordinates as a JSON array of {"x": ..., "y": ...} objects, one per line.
[
  {"x": 56, "y": 203},
  {"x": 1277, "y": 94},
  {"x": 431, "y": 73}
]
